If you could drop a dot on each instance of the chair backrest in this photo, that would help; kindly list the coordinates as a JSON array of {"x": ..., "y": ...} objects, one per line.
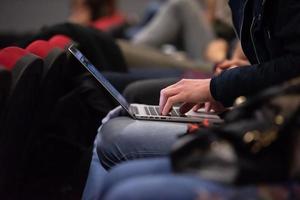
[
  {"x": 40, "y": 48},
  {"x": 10, "y": 56},
  {"x": 60, "y": 41},
  {"x": 55, "y": 80},
  {"x": 58, "y": 107},
  {"x": 47, "y": 138},
  {"x": 17, "y": 116},
  {"x": 49, "y": 52}
]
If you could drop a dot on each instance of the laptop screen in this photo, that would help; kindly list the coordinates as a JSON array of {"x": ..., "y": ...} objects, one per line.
[{"x": 106, "y": 84}]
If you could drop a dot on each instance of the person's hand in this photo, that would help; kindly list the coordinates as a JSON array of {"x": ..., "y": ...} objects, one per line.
[
  {"x": 229, "y": 64},
  {"x": 190, "y": 92},
  {"x": 216, "y": 51}
]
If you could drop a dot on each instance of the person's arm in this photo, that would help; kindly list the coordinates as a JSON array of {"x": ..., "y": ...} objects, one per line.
[
  {"x": 248, "y": 80},
  {"x": 232, "y": 83}
]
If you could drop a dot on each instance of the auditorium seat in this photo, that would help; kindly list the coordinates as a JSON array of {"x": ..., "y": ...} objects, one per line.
[
  {"x": 61, "y": 41},
  {"x": 17, "y": 116},
  {"x": 54, "y": 80},
  {"x": 65, "y": 127}
]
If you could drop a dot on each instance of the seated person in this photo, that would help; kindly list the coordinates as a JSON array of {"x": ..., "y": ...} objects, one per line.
[
  {"x": 274, "y": 54},
  {"x": 150, "y": 11},
  {"x": 274, "y": 59},
  {"x": 189, "y": 29},
  {"x": 185, "y": 21},
  {"x": 101, "y": 14},
  {"x": 194, "y": 17},
  {"x": 148, "y": 91}
]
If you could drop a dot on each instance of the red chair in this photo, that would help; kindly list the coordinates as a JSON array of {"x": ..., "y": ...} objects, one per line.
[
  {"x": 18, "y": 61},
  {"x": 10, "y": 56},
  {"x": 17, "y": 116},
  {"x": 55, "y": 82},
  {"x": 41, "y": 48},
  {"x": 55, "y": 79},
  {"x": 48, "y": 145},
  {"x": 49, "y": 157},
  {"x": 53, "y": 56},
  {"x": 60, "y": 41}
]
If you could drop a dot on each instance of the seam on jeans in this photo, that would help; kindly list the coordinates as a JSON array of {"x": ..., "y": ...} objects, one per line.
[
  {"x": 106, "y": 160},
  {"x": 120, "y": 152}
]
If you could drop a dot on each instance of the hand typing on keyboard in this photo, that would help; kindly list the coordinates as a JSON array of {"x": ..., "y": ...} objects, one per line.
[{"x": 190, "y": 92}]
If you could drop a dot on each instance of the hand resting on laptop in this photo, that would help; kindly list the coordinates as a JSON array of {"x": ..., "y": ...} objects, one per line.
[{"x": 193, "y": 93}]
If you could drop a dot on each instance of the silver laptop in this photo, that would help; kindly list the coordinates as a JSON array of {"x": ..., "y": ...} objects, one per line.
[{"x": 141, "y": 111}]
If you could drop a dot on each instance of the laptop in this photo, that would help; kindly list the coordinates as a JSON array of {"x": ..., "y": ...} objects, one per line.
[{"x": 142, "y": 111}]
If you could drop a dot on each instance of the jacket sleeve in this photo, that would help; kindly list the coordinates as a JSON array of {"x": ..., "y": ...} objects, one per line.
[{"x": 249, "y": 80}]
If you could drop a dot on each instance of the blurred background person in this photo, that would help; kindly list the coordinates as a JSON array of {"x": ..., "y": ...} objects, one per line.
[
  {"x": 100, "y": 14},
  {"x": 190, "y": 26}
]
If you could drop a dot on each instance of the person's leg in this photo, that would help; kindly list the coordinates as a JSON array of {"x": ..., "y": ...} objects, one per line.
[
  {"x": 179, "y": 16},
  {"x": 134, "y": 169},
  {"x": 160, "y": 187},
  {"x": 155, "y": 33},
  {"x": 154, "y": 179},
  {"x": 147, "y": 91},
  {"x": 197, "y": 31},
  {"x": 175, "y": 187},
  {"x": 124, "y": 138},
  {"x": 95, "y": 177}
]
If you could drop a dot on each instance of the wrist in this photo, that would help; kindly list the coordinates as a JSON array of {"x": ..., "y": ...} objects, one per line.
[
  {"x": 212, "y": 90},
  {"x": 208, "y": 92}
]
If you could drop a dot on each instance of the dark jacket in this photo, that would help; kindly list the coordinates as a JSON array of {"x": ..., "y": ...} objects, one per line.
[{"x": 269, "y": 32}]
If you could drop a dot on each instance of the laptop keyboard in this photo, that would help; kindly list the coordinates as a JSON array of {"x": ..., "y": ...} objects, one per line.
[
  {"x": 154, "y": 110},
  {"x": 134, "y": 109}
]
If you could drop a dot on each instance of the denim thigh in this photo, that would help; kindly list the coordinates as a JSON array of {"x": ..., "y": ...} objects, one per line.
[{"x": 123, "y": 138}]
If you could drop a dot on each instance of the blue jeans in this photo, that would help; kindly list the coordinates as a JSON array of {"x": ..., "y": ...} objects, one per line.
[
  {"x": 124, "y": 138},
  {"x": 95, "y": 177},
  {"x": 153, "y": 179}
]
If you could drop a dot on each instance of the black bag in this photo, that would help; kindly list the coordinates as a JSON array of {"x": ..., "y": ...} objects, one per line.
[{"x": 257, "y": 143}]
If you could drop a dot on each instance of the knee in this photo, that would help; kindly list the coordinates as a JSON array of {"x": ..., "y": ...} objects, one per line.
[
  {"x": 119, "y": 140},
  {"x": 109, "y": 145},
  {"x": 123, "y": 138}
]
